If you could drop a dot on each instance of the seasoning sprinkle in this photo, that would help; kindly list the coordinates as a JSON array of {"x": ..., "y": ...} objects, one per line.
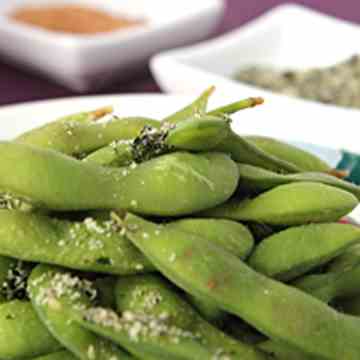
[
  {"x": 338, "y": 84},
  {"x": 72, "y": 19}
]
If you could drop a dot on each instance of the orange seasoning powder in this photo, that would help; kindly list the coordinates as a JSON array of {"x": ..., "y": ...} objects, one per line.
[{"x": 72, "y": 19}]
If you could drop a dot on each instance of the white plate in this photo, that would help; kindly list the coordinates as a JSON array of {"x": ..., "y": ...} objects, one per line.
[
  {"x": 86, "y": 62},
  {"x": 289, "y": 36},
  {"x": 16, "y": 119}
]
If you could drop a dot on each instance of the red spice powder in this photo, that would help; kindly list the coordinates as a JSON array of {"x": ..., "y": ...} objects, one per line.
[{"x": 72, "y": 19}]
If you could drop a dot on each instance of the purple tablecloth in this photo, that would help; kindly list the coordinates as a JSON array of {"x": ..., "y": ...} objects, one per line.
[{"x": 18, "y": 86}]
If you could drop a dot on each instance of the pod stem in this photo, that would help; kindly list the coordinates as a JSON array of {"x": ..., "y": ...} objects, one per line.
[
  {"x": 238, "y": 106},
  {"x": 101, "y": 112},
  {"x": 340, "y": 174}
]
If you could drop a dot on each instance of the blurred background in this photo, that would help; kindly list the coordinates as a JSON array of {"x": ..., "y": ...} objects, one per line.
[{"x": 18, "y": 85}]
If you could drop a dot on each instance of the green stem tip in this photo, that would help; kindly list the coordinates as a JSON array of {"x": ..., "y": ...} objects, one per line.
[{"x": 237, "y": 106}]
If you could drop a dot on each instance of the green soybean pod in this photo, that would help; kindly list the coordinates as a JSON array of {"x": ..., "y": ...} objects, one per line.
[
  {"x": 290, "y": 204},
  {"x": 281, "y": 312},
  {"x": 90, "y": 245},
  {"x": 77, "y": 137},
  {"x": 22, "y": 334},
  {"x": 197, "y": 107},
  {"x": 297, "y": 250},
  {"x": 180, "y": 183},
  {"x": 170, "y": 185},
  {"x": 200, "y": 133},
  {"x": 56, "y": 295},
  {"x": 230, "y": 235},
  {"x": 244, "y": 151},
  {"x": 60, "y": 355},
  {"x": 118, "y": 153},
  {"x": 304, "y": 160},
  {"x": 330, "y": 286},
  {"x": 144, "y": 336},
  {"x": 153, "y": 295},
  {"x": 255, "y": 179}
]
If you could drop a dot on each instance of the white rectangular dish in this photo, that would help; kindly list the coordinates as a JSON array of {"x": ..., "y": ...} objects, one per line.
[
  {"x": 289, "y": 36},
  {"x": 86, "y": 62}
]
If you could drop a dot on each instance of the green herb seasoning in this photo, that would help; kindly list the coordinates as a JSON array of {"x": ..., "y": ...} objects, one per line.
[{"x": 338, "y": 84}]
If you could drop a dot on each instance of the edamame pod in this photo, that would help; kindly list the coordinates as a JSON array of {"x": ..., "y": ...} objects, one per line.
[
  {"x": 297, "y": 250},
  {"x": 230, "y": 235},
  {"x": 243, "y": 151},
  {"x": 118, "y": 153},
  {"x": 330, "y": 286},
  {"x": 255, "y": 179},
  {"x": 196, "y": 133},
  {"x": 197, "y": 107},
  {"x": 304, "y": 160},
  {"x": 178, "y": 184},
  {"x": 144, "y": 336},
  {"x": 170, "y": 185},
  {"x": 22, "y": 334},
  {"x": 154, "y": 296},
  {"x": 78, "y": 137},
  {"x": 56, "y": 295},
  {"x": 279, "y": 311},
  {"x": 201, "y": 133},
  {"x": 290, "y": 204},
  {"x": 91, "y": 245}
]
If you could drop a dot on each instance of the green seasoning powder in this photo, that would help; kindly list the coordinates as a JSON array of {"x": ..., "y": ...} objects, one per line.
[{"x": 338, "y": 84}]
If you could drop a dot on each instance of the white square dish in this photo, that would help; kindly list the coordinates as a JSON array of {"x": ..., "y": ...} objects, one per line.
[
  {"x": 289, "y": 36},
  {"x": 86, "y": 62}
]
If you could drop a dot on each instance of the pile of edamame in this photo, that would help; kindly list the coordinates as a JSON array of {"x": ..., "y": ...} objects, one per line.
[{"x": 177, "y": 239}]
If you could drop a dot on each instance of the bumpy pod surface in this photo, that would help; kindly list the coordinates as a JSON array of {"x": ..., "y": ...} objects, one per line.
[
  {"x": 294, "y": 251},
  {"x": 173, "y": 184},
  {"x": 287, "y": 152},
  {"x": 91, "y": 245},
  {"x": 56, "y": 295},
  {"x": 290, "y": 204},
  {"x": 255, "y": 179}
]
